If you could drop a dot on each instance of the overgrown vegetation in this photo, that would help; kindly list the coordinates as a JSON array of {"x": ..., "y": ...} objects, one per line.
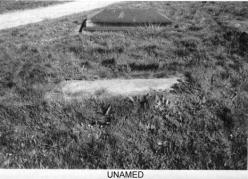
[
  {"x": 12, "y": 5},
  {"x": 200, "y": 124}
]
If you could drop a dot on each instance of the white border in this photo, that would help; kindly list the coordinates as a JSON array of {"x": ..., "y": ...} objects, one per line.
[{"x": 102, "y": 174}]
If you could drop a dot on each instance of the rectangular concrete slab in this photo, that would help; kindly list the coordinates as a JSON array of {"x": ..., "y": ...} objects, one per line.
[{"x": 127, "y": 17}]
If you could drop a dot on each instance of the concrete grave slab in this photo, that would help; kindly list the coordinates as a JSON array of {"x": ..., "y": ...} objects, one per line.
[{"x": 125, "y": 19}]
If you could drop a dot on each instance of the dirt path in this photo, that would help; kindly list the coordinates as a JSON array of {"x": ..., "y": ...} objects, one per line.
[
  {"x": 23, "y": 17},
  {"x": 115, "y": 87}
]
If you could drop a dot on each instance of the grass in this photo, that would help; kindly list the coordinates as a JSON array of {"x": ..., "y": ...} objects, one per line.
[
  {"x": 7, "y": 5},
  {"x": 200, "y": 124}
]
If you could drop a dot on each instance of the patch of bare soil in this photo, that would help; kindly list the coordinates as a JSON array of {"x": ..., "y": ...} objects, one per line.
[{"x": 24, "y": 17}]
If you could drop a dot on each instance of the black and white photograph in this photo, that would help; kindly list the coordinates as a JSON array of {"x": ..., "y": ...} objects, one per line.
[{"x": 130, "y": 85}]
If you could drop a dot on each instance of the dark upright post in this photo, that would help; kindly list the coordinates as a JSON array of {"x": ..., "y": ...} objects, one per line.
[{"x": 83, "y": 25}]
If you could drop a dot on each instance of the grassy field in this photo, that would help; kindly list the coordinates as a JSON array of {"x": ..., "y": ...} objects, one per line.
[
  {"x": 12, "y": 5},
  {"x": 200, "y": 124}
]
